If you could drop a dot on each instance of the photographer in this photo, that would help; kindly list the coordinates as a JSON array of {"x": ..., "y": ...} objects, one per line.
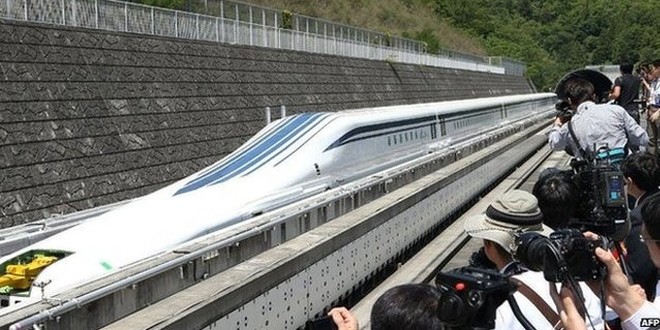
[
  {"x": 557, "y": 196},
  {"x": 628, "y": 301},
  {"x": 343, "y": 319},
  {"x": 602, "y": 125},
  {"x": 514, "y": 213},
  {"x": 404, "y": 307},
  {"x": 407, "y": 307},
  {"x": 642, "y": 176}
]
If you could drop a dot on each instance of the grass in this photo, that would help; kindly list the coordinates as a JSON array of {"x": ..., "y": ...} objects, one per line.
[{"x": 396, "y": 17}]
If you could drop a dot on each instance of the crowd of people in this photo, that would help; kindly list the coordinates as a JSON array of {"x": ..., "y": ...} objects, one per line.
[
  {"x": 626, "y": 296},
  {"x": 649, "y": 75}
]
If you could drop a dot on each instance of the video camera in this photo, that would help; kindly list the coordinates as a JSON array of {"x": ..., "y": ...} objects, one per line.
[
  {"x": 565, "y": 112},
  {"x": 565, "y": 254},
  {"x": 602, "y": 206},
  {"x": 470, "y": 297}
]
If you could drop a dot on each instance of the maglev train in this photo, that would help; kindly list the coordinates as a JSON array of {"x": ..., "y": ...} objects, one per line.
[{"x": 290, "y": 159}]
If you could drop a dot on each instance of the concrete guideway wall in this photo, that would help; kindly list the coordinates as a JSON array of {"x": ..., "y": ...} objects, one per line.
[{"x": 90, "y": 117}]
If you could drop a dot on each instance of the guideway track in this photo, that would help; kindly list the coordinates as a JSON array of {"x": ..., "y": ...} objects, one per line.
[
  {"x": 342, "y": 233},
  {"x": 219, "y": 300}
]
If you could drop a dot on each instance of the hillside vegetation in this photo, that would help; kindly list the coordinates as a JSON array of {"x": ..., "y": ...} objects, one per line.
[
  {"x": 415, "y": 19},
  {"x": 552, "y": 36},
  {"x": 555, "y": 36}
]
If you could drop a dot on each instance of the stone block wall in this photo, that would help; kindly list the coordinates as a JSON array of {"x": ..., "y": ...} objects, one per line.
[{"x": 91, "y": 117}]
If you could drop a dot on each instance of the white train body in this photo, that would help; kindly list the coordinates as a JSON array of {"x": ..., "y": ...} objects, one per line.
[{"x": 288, "y": 160}]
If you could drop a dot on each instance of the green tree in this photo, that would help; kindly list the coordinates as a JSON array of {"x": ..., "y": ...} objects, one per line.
[{"x": 556, "y": 36}]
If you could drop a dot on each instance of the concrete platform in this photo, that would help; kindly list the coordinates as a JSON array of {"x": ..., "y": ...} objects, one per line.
[{"x": 425, "y": 264}]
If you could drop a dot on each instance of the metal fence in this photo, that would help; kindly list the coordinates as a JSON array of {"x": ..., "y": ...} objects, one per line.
[
  {"x": 511, "y": 67},
  {"x": 249, "y": 13},
  {"x": 238, "y": 23}
]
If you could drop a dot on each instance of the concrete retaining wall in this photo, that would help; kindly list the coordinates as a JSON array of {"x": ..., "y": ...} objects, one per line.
[{"x": 91, "y": 117}]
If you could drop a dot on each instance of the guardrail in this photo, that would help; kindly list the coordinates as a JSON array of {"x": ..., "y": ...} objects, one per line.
[
  {"x": 18, "y": 237},
  {"x": 244, "y": 24}
]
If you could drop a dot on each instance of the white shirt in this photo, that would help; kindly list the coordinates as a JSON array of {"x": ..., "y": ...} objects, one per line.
[
  {"x": 599, "y": 124},
  {"x": 505, "y": 319},
  {"x": 656, "y": 302},
  {"x": 648, "y": 310}
]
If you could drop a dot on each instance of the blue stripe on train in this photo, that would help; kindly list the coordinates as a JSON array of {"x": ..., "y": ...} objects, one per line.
[
  {"x": 224, "y": 162},
  {"x": 250, "y": 156},
  {"x": 283, "y": 139},
  {"x": 309, "y": 128}
]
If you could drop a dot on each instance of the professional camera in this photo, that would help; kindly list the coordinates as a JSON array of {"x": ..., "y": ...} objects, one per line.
[
  {"x": 470, "y": 297},
  {"x": 567, "y": 253},
  {"x": 565, "y": 113},
  {"x": 602, "y": 205}
]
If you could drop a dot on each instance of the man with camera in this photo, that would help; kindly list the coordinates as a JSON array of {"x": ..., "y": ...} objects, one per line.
[
  {"x": 628, "y": 301},
  {"x": 557, "y": 196},
  {"x": 594, "y": 126},
  {"x": 513, "y": 214},
  {"x": 408, "y": 307}
]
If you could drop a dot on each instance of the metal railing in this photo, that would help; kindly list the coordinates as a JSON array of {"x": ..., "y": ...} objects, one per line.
[
  {"x": 511, "y": 67},
  {"x": 238, "y": 23},
  {"x": 253, "y": 14}
]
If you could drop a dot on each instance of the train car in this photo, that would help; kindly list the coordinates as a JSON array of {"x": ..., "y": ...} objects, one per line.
[{"x": 290, "y": 159}]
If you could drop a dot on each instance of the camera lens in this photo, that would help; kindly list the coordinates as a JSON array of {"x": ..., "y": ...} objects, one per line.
[
  {"x": 451, "y": 309},
  {"x": 531, "y": 250},
  {"x": 475, "y": 299}
]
